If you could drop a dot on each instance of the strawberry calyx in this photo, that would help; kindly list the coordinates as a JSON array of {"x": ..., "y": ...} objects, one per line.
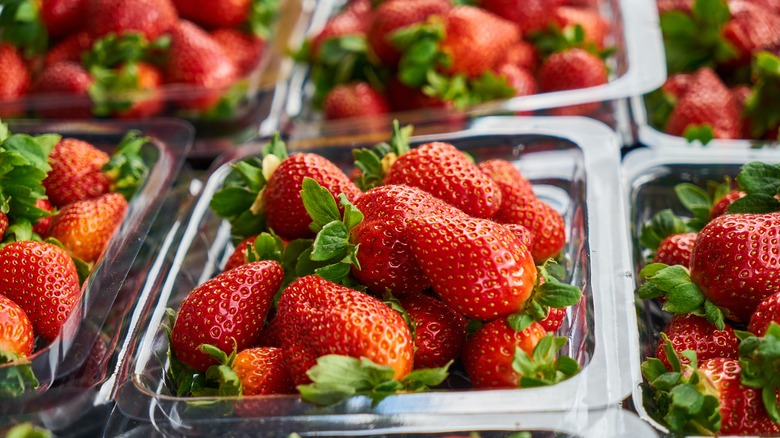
[
  {"x": 695, "y": 40},
  {"x": 22, "y": 26},
  {"x": 544, "y": 367},
  {"x": 114, "y": 50},
  {"x": 760, "y": 358},
  {"x": 662, "y": 225},
  {"x": 16, "y": 378},
  {"x": 660, "y": 105},
  {"x": 548, "y": 292},
  {"x": 126, "y": 168},
  {"x": 219, "y": 380},
  {"x": 269, "y": 246},
  {"x": 702, "y": 133},
  {"x": 761, "y": 103},
  {"x": 336, "y": 378},
  {"x": 180, "y": 377},
  {"x": 555, "y": 39},
  {"x": 700, "y": 202},
  {"x": 262, "y": 16},
  {"x": 374, "y": 163},
  {"x": 681, "y": 293},
  {"x": 761, "y": 182},
  {"x": 684, "y": 397}
]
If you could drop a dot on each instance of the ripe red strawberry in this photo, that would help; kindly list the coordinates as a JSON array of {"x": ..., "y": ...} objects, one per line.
[
  {"x": 512, "y": 183},
  {"x": 62, "y": 17},
  {"x": 443, "y": 171},
  {"x": 492, "y": 276},
  {"x": 751, "y": 29},
  {"x": 75, "y": 172},
  {"x": 14, "y": 79},
  {"x": 720, "y": 207},
  {"x": 554, "y": 319},
  {"x": 593, "y": 23},
  {"x": 16, "y": 330},
  {"x": 227, "y": 312},
  {"x": 766, "y": 312},
  {"x": 522, "y": 54},
  {"x": 386, "y": 261},
  {"x": 44, "y": 224},
  {"x": 488, "y": 354},
  {"x": 546, "y": 225},
  {"x": 439, "y": 331},
  {"x": 229, "y": 13},
  {"x": 244, "y": 49},
  {"x": 3, "y": 223},
  {"x": 152, "y": 18},
  {"x": 262, "y": 371},
  {"x": 691, "y": 332},
  {"x": 476, "y": 39},
  {"x": 404, "y": 98},
  {"x": 238, "y": 257},
  {"x": 346, "y": 23},
  {"x": 283, "y": 206},
  {"x": 147, "y": 100},
  {"x": 356, "y": 99},
  {"x": 69, "y": 49},
  {"x": 528, "y": 15},
  {"x": 196, "y": 59},
  {"x": 745, "y": 244},
  {"x": 675, "y": 250},
  {"x": 707, "y": 101},
  {"x": 85, "y": 227},
  {"x": 569, "y": 70},
  {"x": 521, "y": 80},
  {"x": 41, "y": 278},
  {"x": 522, "y": 234},
  {"x": 393, "y": 15},
  {"x": 320, "y": 318},
  {"x": 677, "y": 85},
  {"x": 70, "y": 82}
]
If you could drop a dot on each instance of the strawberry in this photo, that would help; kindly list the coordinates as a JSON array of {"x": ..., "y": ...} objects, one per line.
[
  {"x": 522, "y": 234},
  {"x": 675, "y": 250},
  {"x": 85, "y": 227},
  {"x": 356, "y": 99},
  {"x": 521, "y": 80},
  {"x": 346, "y": 23},
  {"x": 76, "y": 172},
  {"x": 238, "y": 257},
  {"x": 401, "y": 97},
  {"x": 396, "y": 14},
  {"x": 196, "y": 59},
  {"x": 512, "y": 183},
  {"x": 572, "y": 69},
  {"x": 270, "y": 336},
  {"x": 545, "y": 224},
  {"x": 41, "y": 278},
  {"x": 62, "y": 17},
  {"x": 677, "y": 85},
  {"x": 16, "y": 331},
  {"x": 130, "y": 91},
  {"x": 152, "y": 18},
  {"x": 766, "y": 312},
  {"x": 14, "y": 79},
  {"x": 262, "y": 371},
  {"x": 3, "y": 223},
  {"x": 691, "y": 332},
  {"x": 244, "y": 49},
  {"x": 554, "y": 319},
  {"x": 321, "y": 318},
  {"x": 721, "y": 206},
  {"x": 386, "y": 261},
  {"x": 751, "y": 29},
  {"x": 230, "y": 13},
  {"x": 443, "y": 171},
  {"x": 69, "y": 80},
  {"x": 69, "y": 49},
  {"x": 475, "y": 40},
  {"x": 591, "y": 21},
  {"x": 439, "y": 331},
  {"x": 521, "y": 54},
  {"x": 528, "y": 15},
  {"x": 44, "y": 224},
  {"x": 227, "y": 312}
]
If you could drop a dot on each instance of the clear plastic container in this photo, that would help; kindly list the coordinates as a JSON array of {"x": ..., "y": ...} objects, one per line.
[
  {"x": 636, "y": 67},
  {"x": 119, "y": 265},
  {"x": 649, "y": 179},
  {"x": 573, "y": 163}
]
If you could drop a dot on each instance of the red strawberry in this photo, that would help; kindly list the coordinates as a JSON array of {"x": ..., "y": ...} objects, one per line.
[
  {"x": 554, "y": 319},
  {"x": 439, "y": 331},
  {"x": 357, "y": 99},
  {"x": 386, "y": 261},
  {"x": 152, "y": 18},
  {"x": 491, "y": 276},
  {"x": 521, "y": 80},
  {"x": 14, "y": 79},
  {"x": 528, "y": 15},
  {"x": 3, "y": 223},
  {"x": 71, "y": 82},
  {"x": 476, "y": 39},
  {"x": 284, "y": 208},
  {"x": 85, "y": 227},
  {"x": 522, "y": 54},
  {"x": 522, "y": 234},
  {"x": 489, "y": 353},
  {"x": 677, "y": 85},
  {"x": 227, "y": 312},
  {"x": 238, "y": 257},
  {"x": 147, "y": 100},
  {"x": 393, "y": 15},
  {"x": 570, "y": 70},
  {"x": 320, "y": 318},
  {"x": 69, "y": 49},
  {"x": 404, "y": 98},
  {"x": 707, "y": 101},
  {"x": 262, "y": 371},
  {"x": 244, "y": 49},
  {"x": 546, "y": 225},
  {"x": 745, "y": 244},
  {"x": 16, "y": 330},
  {"x": 766, "y": 312},
  {"x": 345, "y": 23},
  {"x": 443, "y": 171},
  {"x": 508, "y": 177},
  {"x": 44, "y": 224},
  {"x": 751, "y": 29},
  {"x": 41, "y": 278},
  {"x": 721, "y": 205},
  {"x": 196, "y": 59},
  {"x": 62, "y": 17},
  {"x": 593, "y": 23},
  {"x": 75, "y": 172},
  {"x": 229, "y": 13},
  {"x": 691, "y": 332},
  {"x": 675, "y": 250}
]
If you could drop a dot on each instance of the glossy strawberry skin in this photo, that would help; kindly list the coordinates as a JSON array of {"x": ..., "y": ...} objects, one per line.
[
  {"x": 488, "y": 354},
  {"x": 512, "y": 183},
  {"x": 67, "y": 80},
  {"x": 476, "y": 266},
  {"x": 721, "y": 206},
  {"x": 523, "y": 234},
  {"x": 230, "y": 307},
  {"x": 766, "y": 312},
  {"x": 440, "y": 332},
  {"x": 85, "y": 227},
  {"x": 735, "y": 261},
  {"x": 545, "y": 224},
  {"x": 676, "y": 250},
  {"x": 752, "y": 28},
  {"x": 554, "y": 319},
  {"x": 62, "y": 17},
  {"x": 319, "y": 318},
  {"x": 356, "y": 99},
  {"x": 691, "y": 332},
  {"x": 41, "y": 278},
  {"x": 443, "y": 171},
  {"x": 16, "y": 330},
  {"x": 386, "y": 261},
  {"x": 707, "y": 101},
  {"x": 284, "y": 208},
  {"x": 262, "y": 371},
  {"x": 152, "y": 18},
  {"x": 570, "y": 70},
  {"x": 230, "y": 13},
  {"x": 76, "y": 172},
  {"x": 44, "y": 224}
]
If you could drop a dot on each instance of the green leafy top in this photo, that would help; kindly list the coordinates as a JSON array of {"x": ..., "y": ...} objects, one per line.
[
  {"x": 544, "y": 367},
  {"x": 702, "y": 133},
  {"x": 660, "y": 105},
  {"x": 375, "y": 162},
  {"x": 555, "y": 39},
  {"x": 760, "y": 358},
  {"x": 22, "y": 26},
  {"x": 761, "y": 182},
  {"x": 548, "y": 292},
  {"x": 262, "y": 17},
  {"x": 761, "y": 105},
  {"x": 126, "y": 168},
  {"x": 695, "y": 40},
  {"x": 115, "y": 50}
]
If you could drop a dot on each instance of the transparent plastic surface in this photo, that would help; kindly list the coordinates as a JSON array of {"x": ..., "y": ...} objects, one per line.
[
  {"x": 636, "y": 67},
  {"x": 164, "y": 154},
  {"x": 649, "y": 179},
  {"x": 573, "y": 164}
]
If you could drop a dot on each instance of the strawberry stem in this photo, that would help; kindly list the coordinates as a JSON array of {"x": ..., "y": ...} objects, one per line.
[
  {"x": 127, "y": 168},
  {"x": 543, "y": 368}
]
